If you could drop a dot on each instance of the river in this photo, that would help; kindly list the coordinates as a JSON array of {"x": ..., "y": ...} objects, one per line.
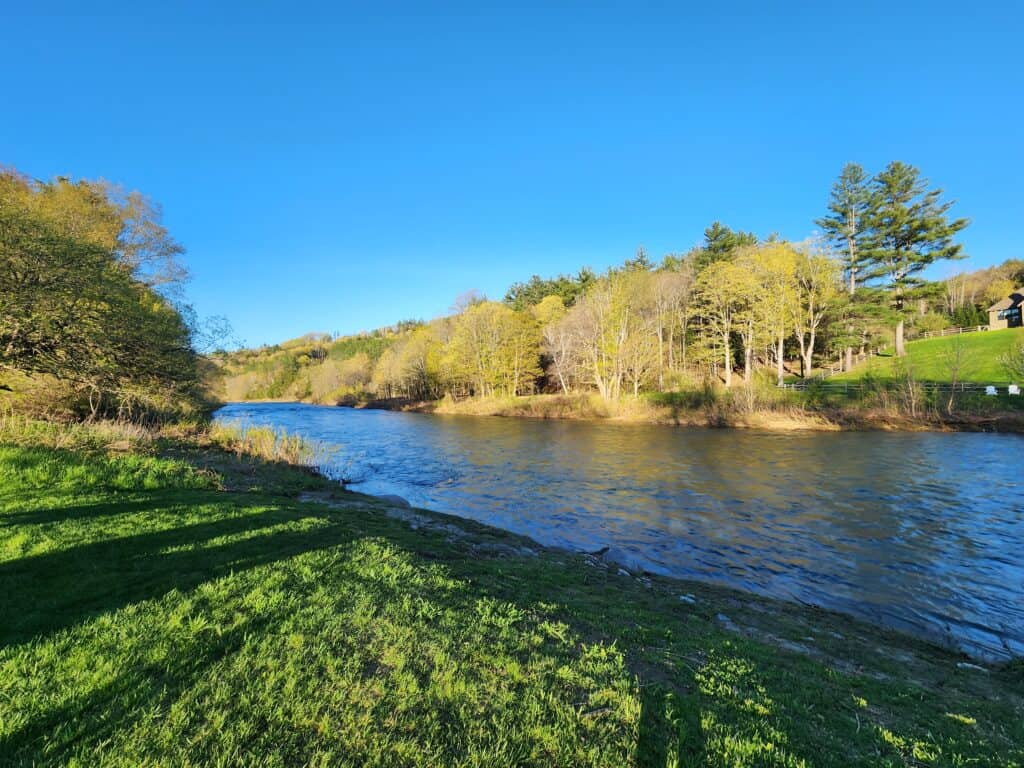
[{"x": 922, "y": 532}]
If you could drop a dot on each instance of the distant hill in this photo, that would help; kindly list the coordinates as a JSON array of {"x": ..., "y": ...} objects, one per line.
[{"x": 314, "y": 368}]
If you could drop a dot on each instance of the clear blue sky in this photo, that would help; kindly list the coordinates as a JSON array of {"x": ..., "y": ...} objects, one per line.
[{"x": 342, "y": 166}]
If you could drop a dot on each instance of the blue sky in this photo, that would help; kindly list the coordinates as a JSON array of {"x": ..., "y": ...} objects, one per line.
[{"x": 341, "y": 166}]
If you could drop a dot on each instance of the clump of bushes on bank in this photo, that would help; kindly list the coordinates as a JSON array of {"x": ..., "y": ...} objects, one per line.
[{"x": 91, "y": 323}]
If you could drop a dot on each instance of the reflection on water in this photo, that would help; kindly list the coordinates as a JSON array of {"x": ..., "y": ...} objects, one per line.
[{"x": 922, "y": 532}]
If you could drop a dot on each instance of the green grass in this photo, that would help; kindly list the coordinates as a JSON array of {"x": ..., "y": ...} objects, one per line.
[
  {"x": 149, "y": 618},
  {"x": 932, "y": 359}
]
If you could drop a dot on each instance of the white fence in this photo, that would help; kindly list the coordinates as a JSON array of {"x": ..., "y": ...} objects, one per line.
[
  {"x": 822, "y": 385},
  {"x": 951, "y": 332},
  {"x": 831, "y": 369}
]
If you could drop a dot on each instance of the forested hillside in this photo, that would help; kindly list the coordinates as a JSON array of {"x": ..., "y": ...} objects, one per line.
[
  {"x": 736, "y": 308},
  {"x": 313, "y": 367}
]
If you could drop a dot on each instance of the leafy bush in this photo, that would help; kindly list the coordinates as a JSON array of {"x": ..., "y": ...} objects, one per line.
[{"x": 931, "y": 322}]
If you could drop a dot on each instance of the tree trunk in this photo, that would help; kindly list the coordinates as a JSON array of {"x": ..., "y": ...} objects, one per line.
[
  {"x": 661, "y": 359},
  {"x": 561, "y": 380},
  {"x": 780, "y": 371},
  {"x": 810, "y": 350},
  {"x": 728, "y": 364},
  {"x": 901, "y": 350},
  {"x": 849, "y": 359},
  {"x": 748, "y": 354},
  {"x": 682, "y": 345}
]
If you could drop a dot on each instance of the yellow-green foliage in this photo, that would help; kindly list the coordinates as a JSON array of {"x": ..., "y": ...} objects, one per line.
[
  {"x": 78, "y": 304},
  {"x": 310, "y": 368},
  {"x": 494, "y": 349}
]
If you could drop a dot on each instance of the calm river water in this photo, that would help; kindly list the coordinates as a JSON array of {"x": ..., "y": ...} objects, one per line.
[{"x": 918, "y": 531}]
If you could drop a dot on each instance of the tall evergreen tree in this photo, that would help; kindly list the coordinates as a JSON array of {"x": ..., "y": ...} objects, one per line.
[
  {"x": 908, "y": 230},
  {"x": 640, "y": 262},
  {"x": 719, "y": 243},
  {"x": 844, "y": 228}
]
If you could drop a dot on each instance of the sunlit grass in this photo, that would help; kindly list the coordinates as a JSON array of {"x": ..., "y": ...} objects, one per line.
[{"x": 980, "y": 359}]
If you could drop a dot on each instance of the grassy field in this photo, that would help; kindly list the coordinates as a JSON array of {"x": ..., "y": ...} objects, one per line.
[
  {"x": 933, "y": 359},
  {"x": 196, "y": 608}
]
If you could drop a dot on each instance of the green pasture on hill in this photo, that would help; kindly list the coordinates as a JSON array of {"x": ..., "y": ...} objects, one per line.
[{"x": 980, "y": 359}]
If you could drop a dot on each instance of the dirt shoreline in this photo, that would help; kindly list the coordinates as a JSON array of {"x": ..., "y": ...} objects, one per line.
[{"x": 826, "y": 420}]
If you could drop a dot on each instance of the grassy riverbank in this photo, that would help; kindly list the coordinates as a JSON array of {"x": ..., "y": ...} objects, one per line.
[{"x": 169, "y": 603}]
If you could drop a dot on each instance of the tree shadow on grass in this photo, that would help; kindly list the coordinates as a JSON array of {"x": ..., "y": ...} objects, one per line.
[
  {"x": 670, "y": 731},
  {"x": 56, "y": 590},
  {"x": 55, "y": 515},
  {"x": 52, "y": 738},
  {"x": 45, "y": 594}
]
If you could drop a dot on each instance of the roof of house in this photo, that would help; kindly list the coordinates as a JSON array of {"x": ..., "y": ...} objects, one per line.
[{"x": 1015, "y": 299}]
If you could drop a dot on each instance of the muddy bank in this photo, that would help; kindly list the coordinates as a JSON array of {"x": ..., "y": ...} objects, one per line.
[{"x": 584, "y": 408}]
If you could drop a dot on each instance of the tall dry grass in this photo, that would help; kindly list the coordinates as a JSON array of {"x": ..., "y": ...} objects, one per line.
[
  {"x": 22, "y": 430},
  {"x": 277, "y": 445},
  {"x": 263, "y": 443}
]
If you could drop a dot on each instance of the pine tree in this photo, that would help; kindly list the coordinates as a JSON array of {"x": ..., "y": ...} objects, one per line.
[
  {"x": 720, "y": 242},
  {"x": 844, "y": 228},
  {"x": 908, "y": 229}
]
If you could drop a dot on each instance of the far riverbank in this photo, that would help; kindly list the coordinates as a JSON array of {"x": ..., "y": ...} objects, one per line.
[{"x": 785, "y": 412}]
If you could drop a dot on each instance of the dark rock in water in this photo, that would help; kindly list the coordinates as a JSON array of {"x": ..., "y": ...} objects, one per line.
[
  {"x": 599, "y": 552},
  {"x": 398, "y": 501}
]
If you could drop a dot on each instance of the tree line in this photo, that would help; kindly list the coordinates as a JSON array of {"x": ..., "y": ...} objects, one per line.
[
  {"x": 91, "y": 317},
  {"x": 735, "y": 305}
]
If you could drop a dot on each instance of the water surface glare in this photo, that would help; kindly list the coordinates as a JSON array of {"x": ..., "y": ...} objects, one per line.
[{"x": 922, "y": 532}]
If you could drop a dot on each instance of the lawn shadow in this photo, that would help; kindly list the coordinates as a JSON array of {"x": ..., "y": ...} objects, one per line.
[
  {"x": 97, "y": 717},
  {"x": 90, "y": 511},
  {"x": 53, "y": 591},
  {"x": 670, "y": 731}
]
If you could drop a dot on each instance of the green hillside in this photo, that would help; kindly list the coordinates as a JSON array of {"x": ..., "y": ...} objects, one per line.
[
  {"x": 935, "y": 359},
  {"x": 312, "y": 367}
]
